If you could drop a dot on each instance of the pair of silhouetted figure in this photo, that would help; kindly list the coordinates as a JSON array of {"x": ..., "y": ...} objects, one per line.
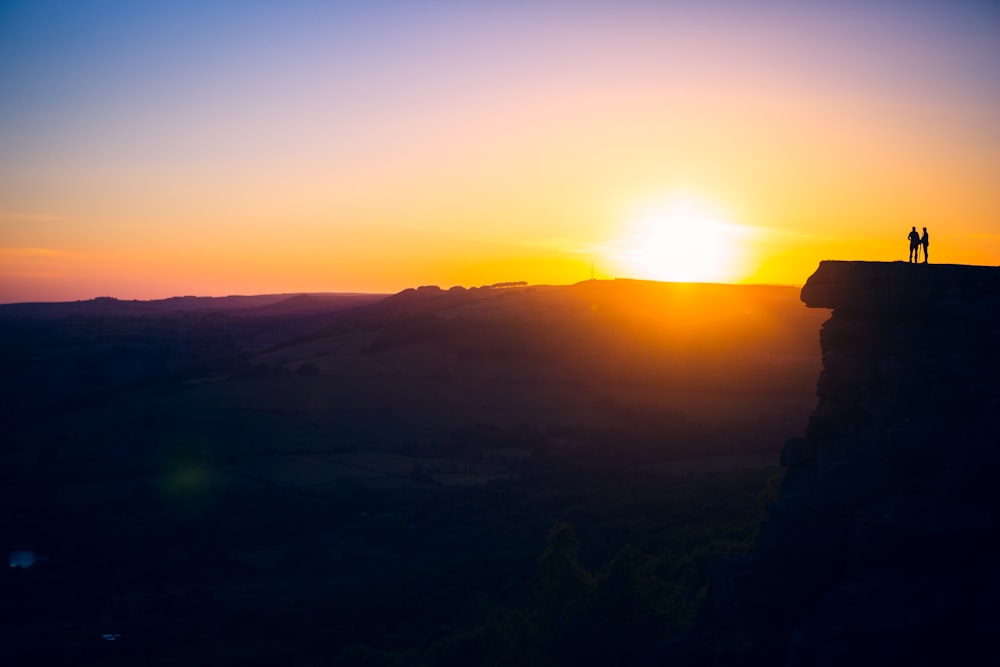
[{"x": 916, "y": 240}]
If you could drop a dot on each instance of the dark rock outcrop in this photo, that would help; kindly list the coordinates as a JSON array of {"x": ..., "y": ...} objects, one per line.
[{"x": 883, "y": 545}]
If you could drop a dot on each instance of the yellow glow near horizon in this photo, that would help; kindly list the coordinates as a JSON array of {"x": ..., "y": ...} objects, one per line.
[
  {"x": 684, "y": 241},
  {"x": 374, "y": 151}
]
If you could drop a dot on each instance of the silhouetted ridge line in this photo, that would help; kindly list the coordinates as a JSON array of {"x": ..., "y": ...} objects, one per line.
[{"x": 262, "y": 304}]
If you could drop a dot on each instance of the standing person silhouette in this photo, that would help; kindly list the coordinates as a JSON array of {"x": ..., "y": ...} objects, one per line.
[
  {"x": 925, "y": 241},
  {"x": 914, "y": 237}
]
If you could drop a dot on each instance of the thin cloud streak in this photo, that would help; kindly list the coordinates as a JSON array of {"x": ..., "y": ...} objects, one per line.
[
  {"x": 22, "y": 216},
  {"x": 34, "y": 253}
]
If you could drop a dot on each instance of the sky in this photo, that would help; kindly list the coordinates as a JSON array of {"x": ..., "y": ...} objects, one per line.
[{"x": 154, "y": 149}]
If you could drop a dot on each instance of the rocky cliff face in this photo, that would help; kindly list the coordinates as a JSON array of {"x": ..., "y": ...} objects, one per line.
[{"x": 883, "y": 544}]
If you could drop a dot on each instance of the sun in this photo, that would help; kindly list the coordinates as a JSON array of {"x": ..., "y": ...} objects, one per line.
[{"x": 681, "y": 242}]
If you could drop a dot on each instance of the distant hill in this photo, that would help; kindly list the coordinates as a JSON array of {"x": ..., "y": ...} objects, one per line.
[
  {"x": 677, "y": 367},
  {"x": 262, "y": 304}
]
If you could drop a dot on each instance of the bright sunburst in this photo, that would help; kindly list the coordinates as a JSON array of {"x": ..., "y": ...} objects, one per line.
[{"x": 682, "y": 242}]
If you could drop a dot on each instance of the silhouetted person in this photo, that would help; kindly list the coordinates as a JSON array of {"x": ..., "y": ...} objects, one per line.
[
  {"x": 925, "y": 241},
  {"x": 914, "y": 237}
]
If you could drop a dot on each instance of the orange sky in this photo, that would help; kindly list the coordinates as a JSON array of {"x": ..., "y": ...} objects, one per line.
[{"x": 157, "y": 152}]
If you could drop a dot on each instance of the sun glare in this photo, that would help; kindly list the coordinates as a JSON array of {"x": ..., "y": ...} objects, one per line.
[{"x": 682, "y": 243}]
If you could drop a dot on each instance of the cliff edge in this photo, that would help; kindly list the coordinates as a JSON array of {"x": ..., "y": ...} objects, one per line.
[{"x": 882, "y": 547}]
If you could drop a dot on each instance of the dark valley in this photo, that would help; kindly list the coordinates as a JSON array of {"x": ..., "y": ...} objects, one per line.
[{"x": 504, "y": 474}]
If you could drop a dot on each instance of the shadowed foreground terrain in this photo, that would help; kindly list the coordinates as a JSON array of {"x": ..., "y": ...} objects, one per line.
[
  {"x": 511, "y": 474},
  {"x": 882, "y": 545}
]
